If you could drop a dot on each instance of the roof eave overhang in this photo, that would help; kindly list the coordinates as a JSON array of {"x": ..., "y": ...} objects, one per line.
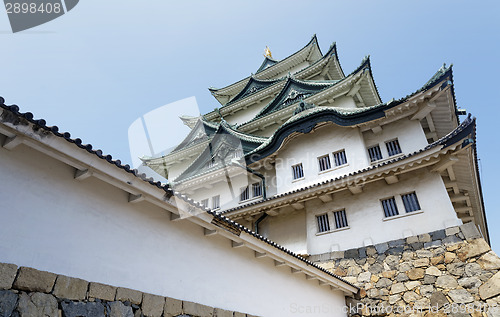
[{"x": 177, "y": 156}]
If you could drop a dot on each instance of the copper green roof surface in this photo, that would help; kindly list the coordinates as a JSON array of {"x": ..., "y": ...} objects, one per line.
[
  {"x": 268, "y": 62},
  {"x": 314, "y": 40},
  {"x": 227, "y": 139},
  {"x": 254, "y": 85}
]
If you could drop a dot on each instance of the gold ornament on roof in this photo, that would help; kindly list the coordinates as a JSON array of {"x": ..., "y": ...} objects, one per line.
[{"x": 267, "y": 52}]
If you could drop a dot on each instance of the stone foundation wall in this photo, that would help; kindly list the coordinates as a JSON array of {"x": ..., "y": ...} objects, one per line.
[
  {"x": 450, "y": 272},
  {"x": 27, "y": 292}
]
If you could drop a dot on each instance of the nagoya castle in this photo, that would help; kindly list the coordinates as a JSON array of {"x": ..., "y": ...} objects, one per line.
[
  {"x": 302, "y": 194},
  {"x": 312, "y": 159}
]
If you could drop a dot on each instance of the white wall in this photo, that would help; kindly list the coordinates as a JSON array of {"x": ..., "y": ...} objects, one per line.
[
  {"x": 409, "y": 133},
  {"x": 229, "y": 191},
  {"x": 307, "y": 148},
  {"x": 365, "y": 215},
  {"x": 87, "y": 229},
  {"x": 344, "y": 102},
  {"x": 287, "y": 229},
  {"x": 245, "y": 115}
]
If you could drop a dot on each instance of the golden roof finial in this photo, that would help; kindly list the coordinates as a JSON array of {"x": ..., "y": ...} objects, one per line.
[{"x": 267, "y": 52}]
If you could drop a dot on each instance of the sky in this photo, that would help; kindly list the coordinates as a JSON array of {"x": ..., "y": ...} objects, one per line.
[{"x": 101, "y": 66}]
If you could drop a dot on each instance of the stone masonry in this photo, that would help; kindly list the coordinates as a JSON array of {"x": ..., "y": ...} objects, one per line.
[
  {"x": 450, "y": 272},
  {"x": 27, "y": 292}
]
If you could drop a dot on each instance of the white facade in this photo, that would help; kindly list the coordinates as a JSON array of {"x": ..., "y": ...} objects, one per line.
[
  {"x": 367, "y": 224},
  {"x": 89, "y": 229}
]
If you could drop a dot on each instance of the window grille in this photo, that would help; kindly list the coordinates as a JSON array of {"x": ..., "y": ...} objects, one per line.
[
  {"x": 323, "y": 224},
  {"x": 390, "y": 208},
  {"x": 340, "y": 219},
  {"x": 324, "y": 163},
  {"x": 245, "y": 194},
  {"x": 393, "y": 147},
  {"x": 375, "y": 153},
  {"x": 340, "y": 158},
  {"x": 204, "y": 202},
  {"x": 257, "y": 189},
  {"x": 216, "y": 202},
  {"x": 410, "y": 202},
  {"x": 237, "y": 153},
  {"x": 298, "y": 171},
  {"x": 210, "y": 163}
]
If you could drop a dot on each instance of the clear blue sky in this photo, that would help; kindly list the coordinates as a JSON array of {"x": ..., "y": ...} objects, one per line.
[{"x": 96, "y": 69}]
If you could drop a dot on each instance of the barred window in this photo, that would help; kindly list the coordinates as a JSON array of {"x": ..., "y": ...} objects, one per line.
[
  {"x": 375, "y": 153},
  {"x": 204, "y": 202},
  {"x": 340, "y": 158},
  {"x": 237, "y": 153},
  {"x": 410, "y": 202},
  {"x": 298, "y": 171},
  {"x": 340, "y": 219},
  {"x": 210, "y": 163},
  {"x": 324, "y": 163},
  {"x": 245, "y": 194},
  {"x": 323, "y": 224},
  {"x": 390, "y": 208},
  {"x": 216, "y": 202},
  {"x": 257, "y": 189},
  {"x": 393, "y": 147}
]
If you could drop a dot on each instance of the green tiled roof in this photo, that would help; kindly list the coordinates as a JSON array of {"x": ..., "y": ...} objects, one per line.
[
  {"x": 268, "y": 62},
  {"x": 252, "y": 87},
  {"x": 304, "y": 121}
]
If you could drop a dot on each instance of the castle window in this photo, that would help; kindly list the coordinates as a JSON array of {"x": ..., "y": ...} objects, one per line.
[
  {"x": 245, "y": 194},
  {"x": 340, "y": 158},
  {"x": 210, "y": 164},
  {"x": 298, "y": 171},
  {"x": 393, "y": 147},
  {"x": 410, "y": 202},
  {"x": 340, "y": 219},
  {"x": 375, "y": 153},
  {"x": 390, "y": 208},
  {"x": 237, "y": 153},
  {"x": 323, "y": 224},
  {"x": 257, "y": 189},
  {"x": 324, "y": 163},
  {"x": 216, "y": 202},
  {"x": 204, "y": 202}
]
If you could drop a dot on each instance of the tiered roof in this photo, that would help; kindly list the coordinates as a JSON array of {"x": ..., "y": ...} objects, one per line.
[
  {"x": 226, "y": 144},
  {"x": 359, "y": 82},
  {"x": 272, "y": 69},
  {"x": 202, "y": 131},
  {"x": 307, "y": 116}
]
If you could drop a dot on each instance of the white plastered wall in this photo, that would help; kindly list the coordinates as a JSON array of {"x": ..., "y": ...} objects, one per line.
[
  {"x": 306, "y": 148},
  {"x": 365, "y": 215},
  {"x": 409, "y": 133},
  {"x": 228, "y": 187},
  {"x": 87, "y": 229},
  {"x": 247, "y": 114},
  {"x": 287, "y": 229}
]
